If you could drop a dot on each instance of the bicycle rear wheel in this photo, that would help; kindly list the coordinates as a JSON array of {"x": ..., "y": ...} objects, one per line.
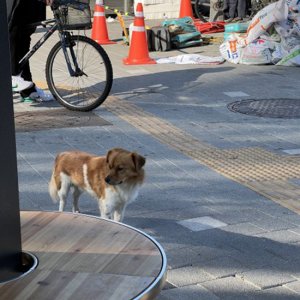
[
  {"x": 87, "y": 89},
  {"x": 201, "y": 8}
]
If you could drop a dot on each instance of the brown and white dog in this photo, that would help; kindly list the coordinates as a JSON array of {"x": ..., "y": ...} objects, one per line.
[{"x": 114, "y": 180}]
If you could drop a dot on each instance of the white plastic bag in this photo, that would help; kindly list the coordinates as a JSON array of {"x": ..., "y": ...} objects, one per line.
[
  {"x": 231, "y": 51},
  {"x": 292, "y": 58},
  {"x": 264, "y": 19},
  {"x": 194, "y": 59},
  {"x": 257, "y": 53}
]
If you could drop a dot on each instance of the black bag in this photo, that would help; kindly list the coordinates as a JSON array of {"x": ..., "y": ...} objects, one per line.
[
  {"x": 161, "y": 39},
  {"x": 149, "y": 34}
]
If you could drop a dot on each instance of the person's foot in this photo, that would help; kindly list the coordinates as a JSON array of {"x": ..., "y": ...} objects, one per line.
[
  {"x": 44, "y": 95},
  {"x": 19, "y": 84},
  {"x": 237, "y": 20},
  {"x": 38, "y": 96},
  {"x": 229, "y": 20}
]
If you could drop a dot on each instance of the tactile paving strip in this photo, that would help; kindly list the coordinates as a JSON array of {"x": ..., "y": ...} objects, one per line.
[{"x": 265, "y": 172}]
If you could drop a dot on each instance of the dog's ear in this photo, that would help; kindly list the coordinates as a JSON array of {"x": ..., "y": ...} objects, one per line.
[
  {"x": 111, "y": 154},
  {"x": 138, "y": 160}
]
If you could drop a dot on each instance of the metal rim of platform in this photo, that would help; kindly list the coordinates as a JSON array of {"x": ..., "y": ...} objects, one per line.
[
  {"x": 34, "y": 264},
  {"x": 155, "y": 287}
]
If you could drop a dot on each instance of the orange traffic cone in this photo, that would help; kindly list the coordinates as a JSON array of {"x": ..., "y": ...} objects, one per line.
[
  {"x": 186, "y": 9},
  {"x": 99, "y": 29},
  {"x": 138, "y": 51}
]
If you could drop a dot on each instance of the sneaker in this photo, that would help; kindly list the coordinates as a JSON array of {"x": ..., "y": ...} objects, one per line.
[
  {"x": 28, "y": 99},
  {"x": 44, "y": 96},
  {"x": 19, "y": 84},
  {"x": 38, "y": 96}
]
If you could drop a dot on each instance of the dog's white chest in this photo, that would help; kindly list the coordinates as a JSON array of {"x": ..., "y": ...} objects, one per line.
[{"x": 121, "y": 194}]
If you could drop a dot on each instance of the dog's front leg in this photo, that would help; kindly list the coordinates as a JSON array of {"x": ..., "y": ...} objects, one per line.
[
  {"x": 104, "y": 211},
  {"x": 119, "y": 214}
]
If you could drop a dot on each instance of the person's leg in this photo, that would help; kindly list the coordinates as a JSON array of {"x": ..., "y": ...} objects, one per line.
[
  {"x": 17, "y": 51},
  {"x": 14, "y": 50},
  {"x": 241, "y": 8},
  {"x": 232, "y": 8},
  {"x": 24, "y": 48},
  {"x": 33, "y": 93}
]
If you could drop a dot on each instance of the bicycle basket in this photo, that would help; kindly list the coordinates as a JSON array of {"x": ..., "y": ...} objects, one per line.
[{"x": 74, "y": 14}]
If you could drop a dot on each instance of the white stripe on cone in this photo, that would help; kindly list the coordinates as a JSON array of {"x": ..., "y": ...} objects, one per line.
[
  {"x": 99, "y": 14},
  {"x": 139, "y": 14},
  {"x": 138, "y": 28}
]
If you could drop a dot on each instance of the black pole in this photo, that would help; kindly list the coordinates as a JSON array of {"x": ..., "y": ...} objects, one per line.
[{"x": 10, "y": 234}]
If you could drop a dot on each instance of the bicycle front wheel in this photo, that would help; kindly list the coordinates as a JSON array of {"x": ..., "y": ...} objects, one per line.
[{"x": 90, "y": 85}]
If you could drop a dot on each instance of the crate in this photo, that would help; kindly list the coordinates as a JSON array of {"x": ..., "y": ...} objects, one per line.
[
  {"x": 237, "y": 27},
  {"x": 74, "y": 15}
]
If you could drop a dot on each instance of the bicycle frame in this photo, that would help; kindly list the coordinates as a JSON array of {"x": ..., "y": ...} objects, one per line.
[
  {"x": 63, "y": 35},
  {"x": 40, "y": 42}
]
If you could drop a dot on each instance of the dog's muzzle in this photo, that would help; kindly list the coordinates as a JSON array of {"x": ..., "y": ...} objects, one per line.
[{"x": 109, "y": 181}]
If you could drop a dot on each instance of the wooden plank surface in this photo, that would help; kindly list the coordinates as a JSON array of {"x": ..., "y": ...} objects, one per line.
[{"x": 84, "y": 257}]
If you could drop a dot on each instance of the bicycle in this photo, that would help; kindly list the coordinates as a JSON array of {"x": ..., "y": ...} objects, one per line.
[{"x": 78, "y": 70}]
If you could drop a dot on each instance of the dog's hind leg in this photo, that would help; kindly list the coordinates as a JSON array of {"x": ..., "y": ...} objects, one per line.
[
  {"x": 76, "y": 195},
  {"x": 63, "y": 191}
]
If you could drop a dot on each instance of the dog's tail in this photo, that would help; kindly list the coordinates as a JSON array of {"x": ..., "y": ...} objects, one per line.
[{"x": 52, "y": 187}]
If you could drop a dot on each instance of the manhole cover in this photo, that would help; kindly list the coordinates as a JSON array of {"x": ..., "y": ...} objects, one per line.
[
  {"x": 55, "y": 118},
  {"x": 268, "y": 108}
]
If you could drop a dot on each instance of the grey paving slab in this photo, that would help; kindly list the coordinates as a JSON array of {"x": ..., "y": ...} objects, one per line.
[
  {"x": 230, "y": 288},
  {"x": 276, "y": 293},
  {"x": 192, "y": 292},
  {"x": 293, "y": 286},
  {"x": 208, "y": 252},
  {"x": 270, "y": 223},
  {"x": 266, "y": 278},
  {"x": 291, "y": 265},
  {"x": 258, "y": 259},
  {"x": 181, "y": 257},
  {"x": 286, "y": 236},
  {"x": 222, "y": 266},
  {"x": 188, "y": 276},
  {"x": 244, "y": 228},
  {"x": 201, "y": 223},
  {"x": 295, "y": 230}
]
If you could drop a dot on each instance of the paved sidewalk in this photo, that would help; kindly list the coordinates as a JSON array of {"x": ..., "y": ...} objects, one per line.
[{"x": 222, "y": 190}]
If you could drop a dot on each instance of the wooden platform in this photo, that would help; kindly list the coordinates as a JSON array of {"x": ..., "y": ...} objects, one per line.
[{"x": 86, "y": 258}]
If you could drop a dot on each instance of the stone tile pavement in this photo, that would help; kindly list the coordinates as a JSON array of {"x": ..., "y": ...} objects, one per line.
[{"x": 239, "y": 243}]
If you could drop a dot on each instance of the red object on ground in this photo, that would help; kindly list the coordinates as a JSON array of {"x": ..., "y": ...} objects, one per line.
[
  {"x": 210, "y": 27},
  {"x": 186, "y": 9},
  {"x": 99, "y": 29},
  {"x": 138, "y": 50}
]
